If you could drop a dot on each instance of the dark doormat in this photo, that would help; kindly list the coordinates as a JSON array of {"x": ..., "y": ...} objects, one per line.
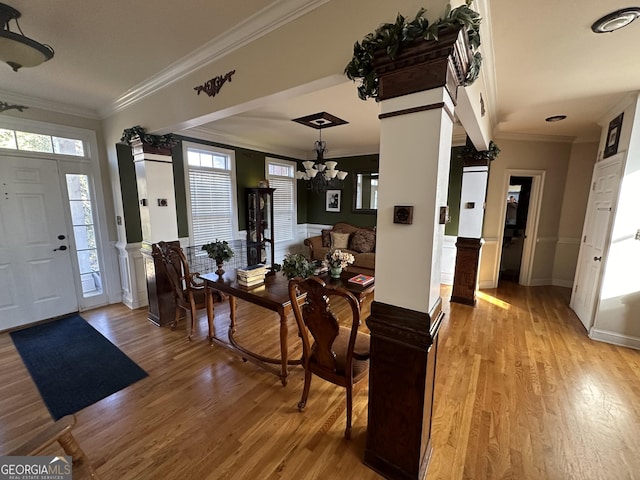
[{"x": 73, "y": 365}]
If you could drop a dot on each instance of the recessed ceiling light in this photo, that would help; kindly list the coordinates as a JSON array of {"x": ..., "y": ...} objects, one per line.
[
  {"x": 555, "y": 118},
  {"x": 616, "y": 20}
]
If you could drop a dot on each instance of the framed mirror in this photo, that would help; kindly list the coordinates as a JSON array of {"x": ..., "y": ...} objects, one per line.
[{"x": 365, "y": 192}]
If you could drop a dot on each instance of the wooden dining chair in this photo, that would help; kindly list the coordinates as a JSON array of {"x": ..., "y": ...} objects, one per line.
[
  {"x": 189, "y": 293},
  {"x": 336, "y": 353}
]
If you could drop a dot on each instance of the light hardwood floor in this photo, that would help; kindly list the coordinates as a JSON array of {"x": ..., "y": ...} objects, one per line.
[{"x": 521, "y": 393}]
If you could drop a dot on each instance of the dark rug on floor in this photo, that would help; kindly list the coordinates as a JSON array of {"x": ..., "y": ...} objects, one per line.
[{"x": 73, "y": 365}]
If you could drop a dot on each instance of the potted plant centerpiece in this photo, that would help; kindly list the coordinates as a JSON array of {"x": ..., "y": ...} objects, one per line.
[
  {"x": 297, "y": 265},
  {"x": 220, "y": 251},
  {"x": 337, "y": 260}
]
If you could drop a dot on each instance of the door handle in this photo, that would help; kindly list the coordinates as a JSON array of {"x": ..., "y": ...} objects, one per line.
[
  {"x": 597, "y": 259},
  {"x": 61, "y": 247}
]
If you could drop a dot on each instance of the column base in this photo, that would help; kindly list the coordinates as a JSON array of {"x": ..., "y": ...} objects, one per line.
[
  {"x": 401, "y": 387},
  {"x": 465, "y": 278}
]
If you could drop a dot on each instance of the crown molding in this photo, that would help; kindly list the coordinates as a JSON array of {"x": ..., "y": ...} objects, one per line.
[
  {"x": 57, "y": 107},
  {"x": 488, "y": 70},
  {"x": 532, "y": 137},
  {"x": 211, "y": 135},
  {"x": 348, "y": 152},
  {"x": 261, "y": 23}
]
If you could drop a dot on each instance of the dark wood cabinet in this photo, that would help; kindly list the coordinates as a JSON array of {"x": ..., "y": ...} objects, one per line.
[{"x": 260, "y": 240}]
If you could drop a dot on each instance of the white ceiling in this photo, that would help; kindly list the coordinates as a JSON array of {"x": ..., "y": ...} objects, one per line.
[{"x": 543, "y": 60}]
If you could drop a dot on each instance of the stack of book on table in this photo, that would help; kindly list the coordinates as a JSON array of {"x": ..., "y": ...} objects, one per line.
[
  {"x": 251, "y": 276},
  {"x": 362, "y": 280}
]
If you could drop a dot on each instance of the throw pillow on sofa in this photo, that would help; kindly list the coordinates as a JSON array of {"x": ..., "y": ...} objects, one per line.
[
  {"x": 339, "y": 240},
  {"x": 363, "y": 241},
  {"x": 326, "y": 237}
]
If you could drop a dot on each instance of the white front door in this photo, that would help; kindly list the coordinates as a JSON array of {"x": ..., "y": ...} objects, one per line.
[
  {"x": 36, "y": 276},
  {"x": 604, "y": 191}
]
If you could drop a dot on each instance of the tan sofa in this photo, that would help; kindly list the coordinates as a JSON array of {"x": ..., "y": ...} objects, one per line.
[{"x": 360, "y": 243}]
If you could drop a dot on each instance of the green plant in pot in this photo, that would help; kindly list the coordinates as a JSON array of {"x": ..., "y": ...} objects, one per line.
[
  {"x": 220, "y": 251},
  {"x": 469, "y": 152},
  {"x": 393, "y": 38},
  {"x": 297, "y": 265}
]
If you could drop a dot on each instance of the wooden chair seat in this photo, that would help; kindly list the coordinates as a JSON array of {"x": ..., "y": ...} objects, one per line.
[
  {"x": 360, "y": 353},
  {"x": 333, "y": 352}
]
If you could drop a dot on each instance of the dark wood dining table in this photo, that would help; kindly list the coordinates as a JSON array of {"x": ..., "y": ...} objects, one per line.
[{"x": 272, "y": 295}]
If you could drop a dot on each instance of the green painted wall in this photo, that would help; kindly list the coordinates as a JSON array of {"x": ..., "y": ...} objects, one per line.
[
  {"x": 316, "y": 202},
  {"x": 180, "y": 191},
  {"x": 453, "y": 195},
  {"x": 129, "y": 188},
  {"x": 250, "y": 170}
]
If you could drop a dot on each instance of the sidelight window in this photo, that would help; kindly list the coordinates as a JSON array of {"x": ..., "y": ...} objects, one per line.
[{"x": 84, "y": 234}]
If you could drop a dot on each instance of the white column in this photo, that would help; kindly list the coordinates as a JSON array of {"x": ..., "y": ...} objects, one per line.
[
  {"x": 415, "y": 151},
  {"x": 156, "y": 193},
  {"x": 472, "y": 200}
]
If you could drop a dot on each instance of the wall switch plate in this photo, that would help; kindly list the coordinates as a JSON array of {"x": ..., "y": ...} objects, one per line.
[{"x": 444, "y": 215}]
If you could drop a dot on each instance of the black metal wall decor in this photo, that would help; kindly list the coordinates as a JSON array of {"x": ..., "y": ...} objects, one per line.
[
  {"x": 4, "y": 106},
  {"x": 213, "y": 86}
]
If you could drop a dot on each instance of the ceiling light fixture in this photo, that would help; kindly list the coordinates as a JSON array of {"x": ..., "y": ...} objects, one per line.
[
  {"x": 321, "y": 175},
  {"x": 615, "y": 20},
  {"x": 17, "y": 50},
  {"x": 555, "y": 118}
]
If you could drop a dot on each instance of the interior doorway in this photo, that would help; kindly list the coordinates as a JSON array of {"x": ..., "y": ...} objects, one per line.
[{"x": 521, "y": 216}]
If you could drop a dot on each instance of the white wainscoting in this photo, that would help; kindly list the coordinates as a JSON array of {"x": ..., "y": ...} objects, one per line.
[
  {"x": 489, "y": 263},
  {"x": 566, "y": 261},
  {"x": 315, "y": 229},
  {"x": 554, "y": 262},
  {"x": 132, "y": 277},
  {"x": 448, "y": 260}
]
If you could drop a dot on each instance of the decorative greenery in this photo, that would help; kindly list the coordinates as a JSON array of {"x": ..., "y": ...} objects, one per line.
[
  {"x": 393, "y": 37},
  {"x": 297, "y": 265},
  {"x": 159, "y": 141},
  {"x": 469, "y": 151},
  {"x": 218, "y": 250}
]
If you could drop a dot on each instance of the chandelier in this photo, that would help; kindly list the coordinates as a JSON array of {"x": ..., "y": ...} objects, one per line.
[
  {"x": 15, "y": 49},
  {"x": 321, "y": 175}
]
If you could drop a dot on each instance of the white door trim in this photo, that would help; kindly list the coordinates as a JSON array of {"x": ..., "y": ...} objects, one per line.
[
  {"x": 89, "y": 165},
  {"x": 533, "y": 219}
]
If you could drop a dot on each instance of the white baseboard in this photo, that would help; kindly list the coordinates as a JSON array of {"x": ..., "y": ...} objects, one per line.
[
  {"x": 614, "y": 338},
  {"x": 562, "y": 283}
]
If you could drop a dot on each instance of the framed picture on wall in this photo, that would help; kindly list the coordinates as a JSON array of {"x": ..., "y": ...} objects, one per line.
[
  {"x": 613, "y": 136},
  {"x": 334, "y": 200}
]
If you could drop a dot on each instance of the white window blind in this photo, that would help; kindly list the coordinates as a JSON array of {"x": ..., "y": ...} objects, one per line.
[
  {"x": 281, "y": 177},
  {"x": 211, "y": 194}
]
